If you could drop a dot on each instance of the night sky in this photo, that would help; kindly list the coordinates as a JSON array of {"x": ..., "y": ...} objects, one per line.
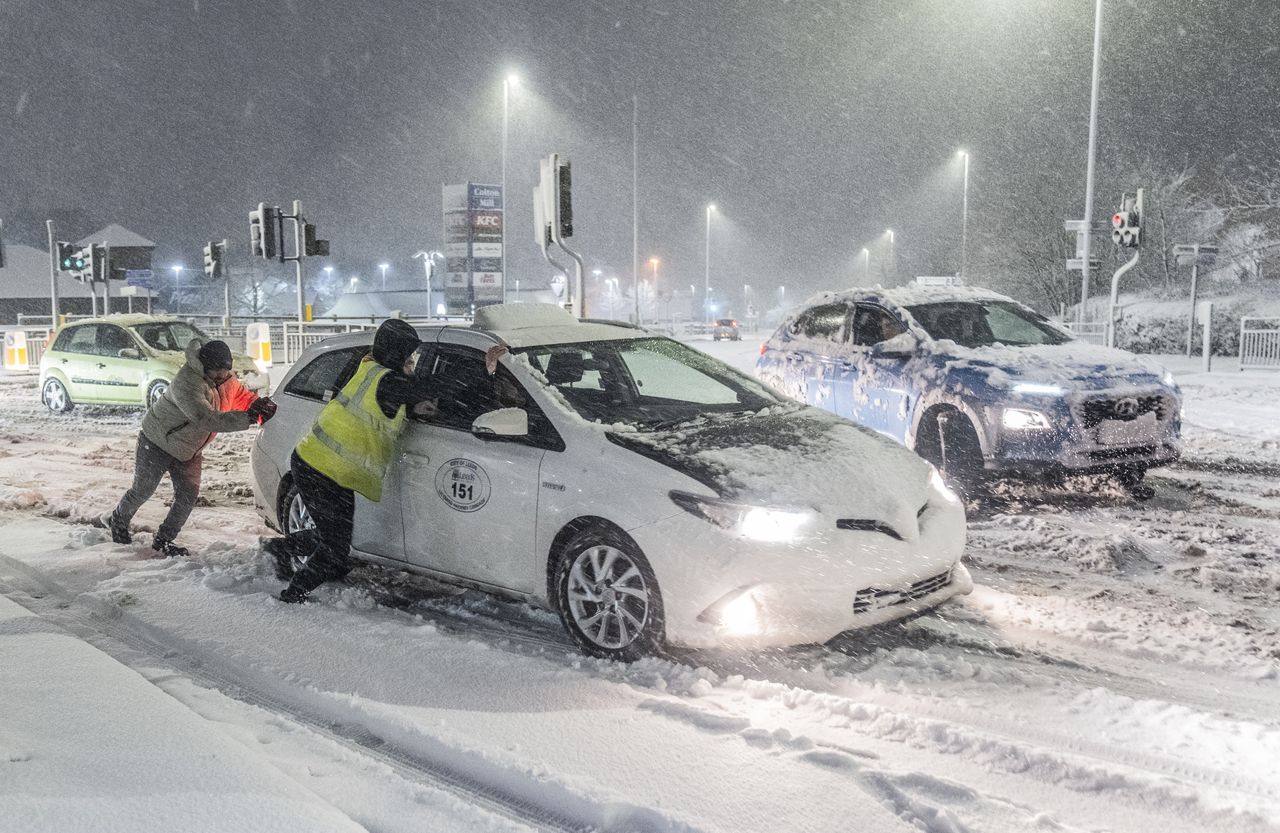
[{"x": 813, "y": 125}]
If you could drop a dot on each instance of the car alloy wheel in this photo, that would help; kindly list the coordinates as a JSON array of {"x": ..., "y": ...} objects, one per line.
[
  {"x": 155, "y": 392},
  {"x": 608, "y": 597},
  {"x": 299, "y": 518},
  {"x": 56, "y": 398}
]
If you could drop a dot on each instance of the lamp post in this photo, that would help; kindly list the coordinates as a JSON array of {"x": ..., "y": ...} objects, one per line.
[
  {"x": 352, "y": 286},
  {"x": 177, "y": 288},
  {"x": 866, "y": 265},
  {"x": 507, "y": 83},
  {"x": 653, "y": 263},
  {"x": 706, "y": 289},
  {"x": 384, "y": 267},
  {"x": 964, "y": 218},
  {"x": 1088, "y": 176},
  {"x": 893, "y": 264}
]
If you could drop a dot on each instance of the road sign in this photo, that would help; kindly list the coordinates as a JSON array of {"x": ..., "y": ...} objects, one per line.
[
  {"x": 138, "y": 277},
  {"x": 1077, "y": 263}
]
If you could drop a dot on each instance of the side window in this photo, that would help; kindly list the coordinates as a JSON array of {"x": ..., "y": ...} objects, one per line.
[
  {"x": 83, "y": 339},
  {"x": 465, "y": 388},
  {"x": 112, "y": 339},
  {"x": 823, "y": 323},
  {"x": 872, "y": 325},
  {"x": 312, "y": 381}
]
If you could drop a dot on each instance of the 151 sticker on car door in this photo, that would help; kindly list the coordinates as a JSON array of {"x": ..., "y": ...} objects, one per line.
[{"x": 463, "y": 485}]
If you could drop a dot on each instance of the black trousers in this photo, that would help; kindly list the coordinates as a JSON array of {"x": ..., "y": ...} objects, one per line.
[{"x": 333, "y": 510}]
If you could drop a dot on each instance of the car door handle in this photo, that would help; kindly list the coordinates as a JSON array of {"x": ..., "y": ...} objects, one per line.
[
  {"x": 64, "y": 361},
  {"x": 101, "y": 366}
]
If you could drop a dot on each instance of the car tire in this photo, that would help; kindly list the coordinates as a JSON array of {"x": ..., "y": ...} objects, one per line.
[
  {"x": 295, "y": 519},
  {"x": 590, "y": 569},
  {"x": 156, "y": 390},
  {"x": 1131, "y": 477},
  {"x": 948, "y": 440},
  {"x": 55, "y": 397}
]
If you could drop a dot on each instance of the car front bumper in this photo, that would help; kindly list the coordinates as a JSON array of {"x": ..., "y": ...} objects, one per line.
[{"x": 806, "y": 592}]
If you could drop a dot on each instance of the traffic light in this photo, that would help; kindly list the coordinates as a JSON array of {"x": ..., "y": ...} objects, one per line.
[
  {"x": 264, "y": 232},
  {"x": 1126, "y": 224},
  {"x": 84, "y": 264},
  {"x": 311, "y": 247},
  {"x": 67, "y": 261},
  {"x": 213, "y": 255}
]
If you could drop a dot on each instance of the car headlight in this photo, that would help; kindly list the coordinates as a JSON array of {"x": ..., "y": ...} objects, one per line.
[
  {"x": 940, "y": 487},
  {"x": 759, "y": 523},
  {"x": 1038, "y": 388},
  {"x": 1021, "y": 419},
  {"x": 1167, "y": 378}
]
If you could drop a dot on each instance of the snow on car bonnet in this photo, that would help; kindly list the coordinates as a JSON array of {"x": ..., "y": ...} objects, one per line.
[{"x": 804, "y": 459}]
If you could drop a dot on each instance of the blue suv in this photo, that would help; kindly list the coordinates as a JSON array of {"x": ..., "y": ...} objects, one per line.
[{"x": 977, "y": 384}]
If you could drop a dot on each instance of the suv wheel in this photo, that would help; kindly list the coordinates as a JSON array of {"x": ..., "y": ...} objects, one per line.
[
  {"x": 55, "y": 397},
  {"x": 607, "y": 596},
  {"x": 949, "y": 441}
]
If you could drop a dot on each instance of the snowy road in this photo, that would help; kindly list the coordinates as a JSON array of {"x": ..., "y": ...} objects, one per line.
[{"x": 1117, "y": 668}]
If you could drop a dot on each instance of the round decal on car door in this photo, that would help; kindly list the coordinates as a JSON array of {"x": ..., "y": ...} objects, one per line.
[{"x": 463, "y": 485}]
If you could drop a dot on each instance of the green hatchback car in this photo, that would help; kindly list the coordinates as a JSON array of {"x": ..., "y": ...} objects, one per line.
[{"x": 122, "y": 360}]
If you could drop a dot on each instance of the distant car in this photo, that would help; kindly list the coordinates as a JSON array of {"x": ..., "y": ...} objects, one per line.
[
  {"x": 725, "y": 328},
  {"x": 121, "y": 360},
  {"x": 646, "y": 492},
  {"x": 977, "y": 383}
]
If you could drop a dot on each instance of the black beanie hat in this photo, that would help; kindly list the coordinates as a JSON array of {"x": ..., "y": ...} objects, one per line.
[
  {"x": 393, "y": 342},
  {"x": 215, "y": 355}
]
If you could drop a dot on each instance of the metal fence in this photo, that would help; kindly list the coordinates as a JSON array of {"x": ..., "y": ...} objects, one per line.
[
  {"x": 1094, "y": 332},
  {"x": 1259, "y": 343}
]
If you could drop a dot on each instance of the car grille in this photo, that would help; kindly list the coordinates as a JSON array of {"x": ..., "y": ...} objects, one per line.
[
  {"x": 868, "y": 525},
  {"x": 1121, "y": 453},
  {"x": 1092, "y": 412},
  {"x": 869, "y": 598}
]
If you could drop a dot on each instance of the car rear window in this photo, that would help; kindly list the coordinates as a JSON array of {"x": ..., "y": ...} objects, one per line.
[{"x": 321, "y": 375}]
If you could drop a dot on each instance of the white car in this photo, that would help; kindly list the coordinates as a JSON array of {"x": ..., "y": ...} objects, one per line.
[{"x": 646, "y": 492}]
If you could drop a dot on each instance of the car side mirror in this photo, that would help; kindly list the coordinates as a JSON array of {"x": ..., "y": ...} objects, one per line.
[
  {"x": 504, "y": 422},
  {"x": 129, "y": 353},
  {"x": 901, "y": 346}
]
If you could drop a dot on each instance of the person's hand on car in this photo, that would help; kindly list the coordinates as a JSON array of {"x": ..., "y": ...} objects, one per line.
[{"x": 261, "y": 409}]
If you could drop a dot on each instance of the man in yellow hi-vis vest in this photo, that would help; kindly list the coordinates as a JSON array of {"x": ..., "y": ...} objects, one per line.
[{"x": 348, "y": 451}]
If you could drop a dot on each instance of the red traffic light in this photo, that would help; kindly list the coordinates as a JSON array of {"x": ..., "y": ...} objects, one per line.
[{"x": 1117, "y": 220}]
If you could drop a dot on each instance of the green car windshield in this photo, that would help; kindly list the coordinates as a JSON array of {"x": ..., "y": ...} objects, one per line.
[{"x": 168, "y": 336}]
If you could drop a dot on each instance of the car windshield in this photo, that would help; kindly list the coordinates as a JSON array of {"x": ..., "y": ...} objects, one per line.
[
  {"x": 650, "y": 382},
  {"x": 979, "y": 323},
  {"x": 168, "y": 336}
]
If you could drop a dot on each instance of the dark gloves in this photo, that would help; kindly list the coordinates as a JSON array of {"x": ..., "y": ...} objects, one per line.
[{"x": 261, "y": 409}]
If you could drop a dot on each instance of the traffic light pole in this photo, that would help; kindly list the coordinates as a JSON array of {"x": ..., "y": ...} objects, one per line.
[
  {"x": 226, "y": 286},
  {"x": 53, "y": 276},
  {"x": 296, "y": 216}
]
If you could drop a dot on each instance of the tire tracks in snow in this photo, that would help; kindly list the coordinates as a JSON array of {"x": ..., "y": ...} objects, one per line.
[{"x": 542, "y": 806}]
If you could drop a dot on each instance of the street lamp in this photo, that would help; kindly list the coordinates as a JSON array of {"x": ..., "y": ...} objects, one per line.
[
  {"x": 1088, "y": 176},
  {"x": 964, "y": 217},
  {"x": 352, "y": 286},
  {"x": 507, "y": 83},
  {"x": 653, "y": 262},
  {"x": 866, "y": 265},
  {"x": 706, "y": 289},
  {"x": 177, "y": 288},
  {"x": 384, "y": 267},
  {"x": 893, "y": 265}
]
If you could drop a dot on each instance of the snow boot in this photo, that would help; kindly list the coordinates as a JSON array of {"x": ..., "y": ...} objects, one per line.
[
  {"x": 119, "y": 530},
  {"x": 292, "y": 595},
  {"x": 169, "y": 549}
]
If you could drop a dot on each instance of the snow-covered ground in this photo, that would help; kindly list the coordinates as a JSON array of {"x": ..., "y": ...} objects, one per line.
[{"x": 1118, "y": 668}]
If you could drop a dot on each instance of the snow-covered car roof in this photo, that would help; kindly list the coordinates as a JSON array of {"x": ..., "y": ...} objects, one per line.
[
  {"x": 128, "y": 319},
  {"x": 527, "y": 325},
  {"x": 910, "y": 295}
]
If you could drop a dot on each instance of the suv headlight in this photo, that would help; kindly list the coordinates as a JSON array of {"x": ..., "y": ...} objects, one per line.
[
  {"x": 1021, "y": 419},
  {"x": 759, "y": 523}
]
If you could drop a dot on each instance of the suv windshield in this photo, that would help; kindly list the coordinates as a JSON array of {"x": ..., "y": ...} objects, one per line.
[
  {"x": 978, "y": 323},
  {"x": 652, "y": 382},
  {"x": 168, "y": 336}
]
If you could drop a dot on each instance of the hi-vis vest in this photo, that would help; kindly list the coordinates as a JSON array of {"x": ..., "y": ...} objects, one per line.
[{"x": 352, "y": 441}]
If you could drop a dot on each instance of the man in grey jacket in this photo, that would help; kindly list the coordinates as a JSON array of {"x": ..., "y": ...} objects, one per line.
[{"x": 204, "y": 400}]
